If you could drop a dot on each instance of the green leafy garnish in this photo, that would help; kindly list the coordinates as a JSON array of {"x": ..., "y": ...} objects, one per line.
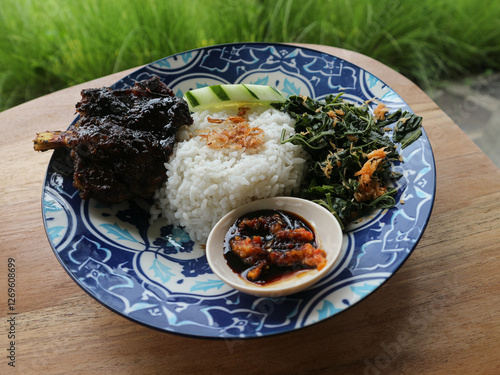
[
  {"x": 408, "y": 129},
  {"x": 349, "y": 170}
]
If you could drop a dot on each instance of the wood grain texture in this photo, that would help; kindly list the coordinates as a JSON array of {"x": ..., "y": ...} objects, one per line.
[{"x": 439, "y": 314}]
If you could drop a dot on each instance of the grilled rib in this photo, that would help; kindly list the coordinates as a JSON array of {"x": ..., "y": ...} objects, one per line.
[
  {"x": 122, "y": 140},
  {"x": 51, "y": 140}
]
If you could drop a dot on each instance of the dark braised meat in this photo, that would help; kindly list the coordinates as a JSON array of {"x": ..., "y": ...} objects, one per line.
[
  {"x": 114, "y": 163},
  {"x": 149, "y": 106},
  {"x": 122, "y": 140}
]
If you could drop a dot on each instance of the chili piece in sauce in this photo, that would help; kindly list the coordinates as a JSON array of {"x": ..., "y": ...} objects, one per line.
[{"x": 268, "y": 245}]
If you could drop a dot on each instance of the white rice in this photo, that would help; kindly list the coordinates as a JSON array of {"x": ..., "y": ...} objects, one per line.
[{"x": 204, "y": 183}]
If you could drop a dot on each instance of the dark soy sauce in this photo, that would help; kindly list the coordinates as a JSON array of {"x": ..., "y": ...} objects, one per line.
[{"x": 273, "y": 273}]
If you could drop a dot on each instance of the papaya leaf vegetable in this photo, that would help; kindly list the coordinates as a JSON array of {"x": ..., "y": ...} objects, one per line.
[{"x": 339, "y": 137}]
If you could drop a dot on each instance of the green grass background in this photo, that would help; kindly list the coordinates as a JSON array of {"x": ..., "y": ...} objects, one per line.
[{"x": 51, "y": 44}]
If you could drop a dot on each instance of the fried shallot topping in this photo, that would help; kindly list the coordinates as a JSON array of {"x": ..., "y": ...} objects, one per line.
[
  {"x": 234, "y": 132},
  {"x": 380, "y": 111},
  {"x": 369, "y": 188}
]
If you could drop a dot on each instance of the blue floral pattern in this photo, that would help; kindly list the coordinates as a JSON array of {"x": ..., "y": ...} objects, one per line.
[{"x": 156, "y": 275}]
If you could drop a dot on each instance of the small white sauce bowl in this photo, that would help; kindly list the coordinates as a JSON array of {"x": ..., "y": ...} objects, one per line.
[{"x": 328, "y": 234}]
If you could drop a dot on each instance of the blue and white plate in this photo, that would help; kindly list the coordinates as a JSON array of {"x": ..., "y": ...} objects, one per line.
[{"x": 157, "y": 276}]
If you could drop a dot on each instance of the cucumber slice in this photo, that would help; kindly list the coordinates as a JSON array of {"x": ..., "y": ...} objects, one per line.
[{"x": 231, "y": 95}]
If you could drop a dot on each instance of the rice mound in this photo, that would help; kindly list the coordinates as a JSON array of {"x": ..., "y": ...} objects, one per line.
[{"x": 204, "y": 183}]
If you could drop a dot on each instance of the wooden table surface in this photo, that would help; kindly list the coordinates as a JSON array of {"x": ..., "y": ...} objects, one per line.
[{"x": 439, "y": 314}]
